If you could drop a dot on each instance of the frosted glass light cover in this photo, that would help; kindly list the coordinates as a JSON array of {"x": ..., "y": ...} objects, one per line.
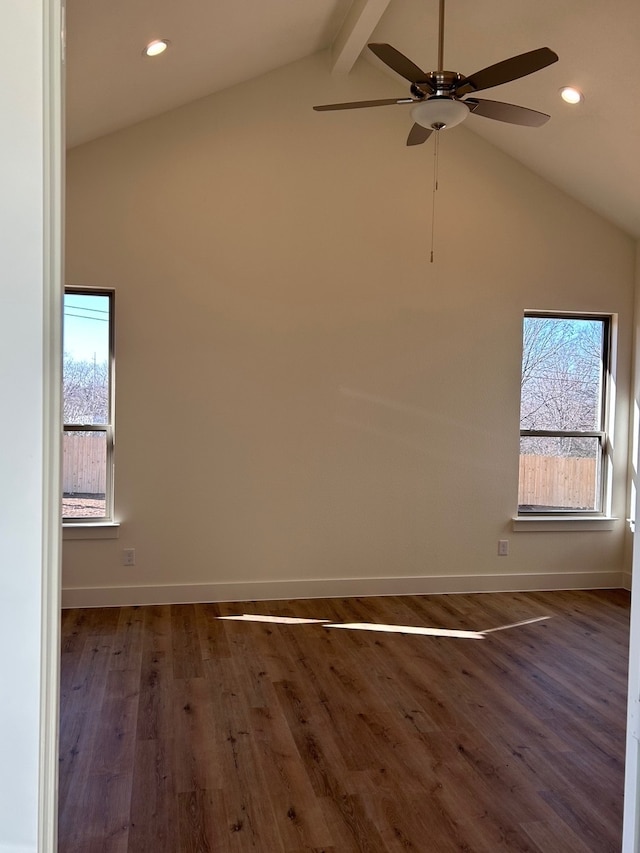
[{"x": 436, "y": 112}]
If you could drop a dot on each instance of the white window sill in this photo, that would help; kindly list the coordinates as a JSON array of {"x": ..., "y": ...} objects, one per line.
[
  {"x": 549, "y": 523},
  {"x": 92, "y": 530}
]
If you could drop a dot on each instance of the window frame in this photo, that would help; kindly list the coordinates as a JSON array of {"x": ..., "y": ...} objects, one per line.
[
  {"x": 606, "y": 415},
  {"x": 108, "y": 427}
]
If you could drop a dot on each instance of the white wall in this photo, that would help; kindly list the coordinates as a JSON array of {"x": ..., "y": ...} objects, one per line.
[
  {"x": 29, "y": 428},
  {"x": 301, "y": 396}
]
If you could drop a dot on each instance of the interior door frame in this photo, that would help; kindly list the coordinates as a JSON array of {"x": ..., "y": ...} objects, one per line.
[
  {"x": 54, "y": 35},
  {"x": 631, "y": 822}
]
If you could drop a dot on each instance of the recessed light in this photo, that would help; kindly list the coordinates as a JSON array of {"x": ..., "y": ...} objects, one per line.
[
  {"x": 571, "y": 95},
  {"x": 155, "y": 48}
]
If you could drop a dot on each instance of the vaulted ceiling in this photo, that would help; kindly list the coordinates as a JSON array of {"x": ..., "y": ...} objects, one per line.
[{"x": 591, "y": 151}]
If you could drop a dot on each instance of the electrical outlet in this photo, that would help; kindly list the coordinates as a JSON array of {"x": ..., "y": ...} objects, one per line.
[
  {"x": 503, "y": 547},
  {"x": 129, "y": 557}
]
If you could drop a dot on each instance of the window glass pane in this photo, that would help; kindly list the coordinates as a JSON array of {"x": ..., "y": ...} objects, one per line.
[
  {"x": 562, "y": 373},
  {"x": 84, "y": 472},
  {"x": 559, "y": 474},
  {"x": 86, "y": 359}
]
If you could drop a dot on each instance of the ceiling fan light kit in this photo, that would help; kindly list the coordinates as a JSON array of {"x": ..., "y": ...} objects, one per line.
[
  {"x": 439, "y": 96},
  {"x": 438, "y": 113}
]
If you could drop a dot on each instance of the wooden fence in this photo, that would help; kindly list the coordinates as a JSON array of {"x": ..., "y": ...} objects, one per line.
[
  {"x": 84, "y": 463},
  {"x": 554, "y": 481},
  {"x": 557, "y": 481}
]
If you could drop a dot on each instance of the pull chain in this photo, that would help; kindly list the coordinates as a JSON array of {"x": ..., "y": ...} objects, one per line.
[{"x": 436, "y": 149}]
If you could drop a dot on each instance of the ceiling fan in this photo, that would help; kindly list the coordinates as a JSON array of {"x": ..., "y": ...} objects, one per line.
[{"x": 438, "y": 96}]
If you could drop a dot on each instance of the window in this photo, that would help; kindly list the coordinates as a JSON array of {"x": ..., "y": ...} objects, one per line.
[
  {"x": 87, "y": 394},
  {"x": 563, "y": 414}
]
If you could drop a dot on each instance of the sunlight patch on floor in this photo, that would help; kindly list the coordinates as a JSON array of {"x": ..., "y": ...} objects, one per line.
[
  {"x": 408, "y": 629},
  {"x": 454, "y": 633},
  {"x": 279, "y": 620},
  {"x": 517, "y": 624}
]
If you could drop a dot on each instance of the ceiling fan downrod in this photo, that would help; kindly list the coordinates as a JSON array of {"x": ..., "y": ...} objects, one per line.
[{"x": 441, "y": 37}]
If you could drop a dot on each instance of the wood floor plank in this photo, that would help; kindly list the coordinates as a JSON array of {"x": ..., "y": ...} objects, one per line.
[
  {"x": 299, "y": 817},
  {"x": 350, "y": 825},
  {"x": 184, "y": 732},
  {"x": 193, "y": 734},
  {"x": 127, "y": 638},
  {"x": 588, "y": 824},
  {"x": 157, "y": 629},
  {"x": 114, "y": 740},
  {"x": 555, "y": 835},
  {"x": 211, "y": 632},
  {"x": 154, "y": 703},
  {"x": 79, "y": 726},
  {"x": 248, "y": 818},
  {"x": 154, "y": 801},
  {"x": 104, "y": 805},
  {"x": 192, "y": 822},
  {"x": 186, "y": 653}
]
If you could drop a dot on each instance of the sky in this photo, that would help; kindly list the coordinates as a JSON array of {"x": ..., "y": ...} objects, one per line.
[{"x": 86, "y": 326}]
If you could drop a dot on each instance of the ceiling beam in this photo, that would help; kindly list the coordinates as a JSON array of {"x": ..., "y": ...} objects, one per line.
[{"x": 361, "y": 21}]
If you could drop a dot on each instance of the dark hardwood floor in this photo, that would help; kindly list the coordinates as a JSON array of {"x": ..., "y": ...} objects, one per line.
[{"x": 182, "y": 732}]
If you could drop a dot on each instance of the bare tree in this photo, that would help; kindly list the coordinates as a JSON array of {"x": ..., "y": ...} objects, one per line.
[{"x": 85, "y": 391}]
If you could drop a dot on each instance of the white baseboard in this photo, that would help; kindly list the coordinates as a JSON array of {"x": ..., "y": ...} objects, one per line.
[
  {"x": 626, "y": 580},
  {"x": 122, "y": 596}
]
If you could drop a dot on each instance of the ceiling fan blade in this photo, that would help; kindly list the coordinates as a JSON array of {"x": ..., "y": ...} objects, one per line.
[
  {"x": 356, "y": 105},
  {"x": 510, "y": 113},
  {"x": 507, "y": 70},
  {"x": 399, "y": 63},
  {"x": 418, "y": 134}
]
